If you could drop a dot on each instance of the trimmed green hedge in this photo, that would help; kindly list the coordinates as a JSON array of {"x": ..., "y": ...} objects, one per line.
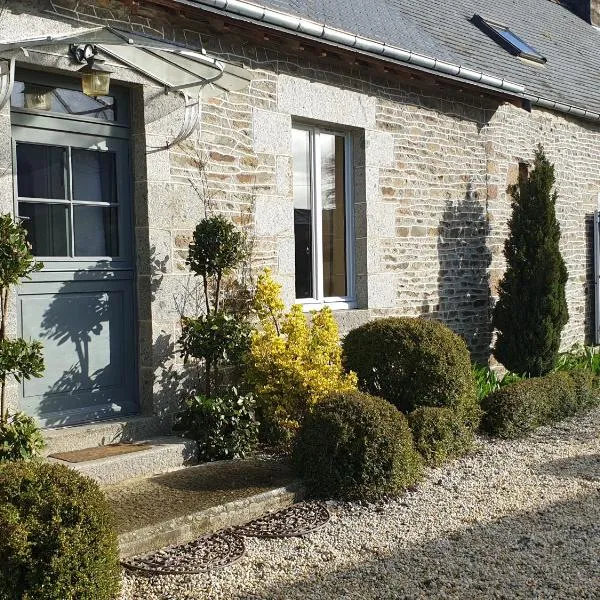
[
  {"x": 354, "y": 446},
  {"x": 413, "y": 362},
  {"x": 57, "y": 542},
  {"x": 517, "y": 409},
  {"x": 439, "y": 434}
]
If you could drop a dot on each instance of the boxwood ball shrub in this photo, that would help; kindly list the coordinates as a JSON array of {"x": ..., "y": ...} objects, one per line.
[
  {"x": 354, "y": 446},
  {"x": 439, "y": 434},
  {"x": 57, "y": 542},
  {"x": 517, "y": 409},
  {"x": 413, "y": 362}
]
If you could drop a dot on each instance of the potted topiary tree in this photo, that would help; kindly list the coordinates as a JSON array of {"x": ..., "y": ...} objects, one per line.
[
  {"x": 220, "y": 418},
  {"x": 19, "y": 358}
]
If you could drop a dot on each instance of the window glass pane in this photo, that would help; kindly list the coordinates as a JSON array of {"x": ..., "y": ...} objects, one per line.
[
  {"x": 96, "y": 230},
  {"x": 63, "y": 101},
  {"x": 47, "y": 227},
  {"x": 302, "y": 213},
  {"x": 333, "y": 197},
  {"x": 93, "y": 175},
  {"x": 40, "y": 171}
]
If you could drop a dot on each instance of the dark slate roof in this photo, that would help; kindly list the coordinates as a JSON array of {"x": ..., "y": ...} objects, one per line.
[{"x": 442, "y": 29}]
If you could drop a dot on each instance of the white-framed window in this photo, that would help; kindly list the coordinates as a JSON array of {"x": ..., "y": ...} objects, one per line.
[{"x": 323, "y": 223}]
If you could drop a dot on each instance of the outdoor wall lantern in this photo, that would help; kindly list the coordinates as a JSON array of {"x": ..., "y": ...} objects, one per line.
[{"x": 95, "y": 78}]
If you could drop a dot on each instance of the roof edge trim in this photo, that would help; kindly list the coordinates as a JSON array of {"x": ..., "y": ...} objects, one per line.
[
  {"x": 561, "y": 107},
  {"x": 329, "y": 34}
]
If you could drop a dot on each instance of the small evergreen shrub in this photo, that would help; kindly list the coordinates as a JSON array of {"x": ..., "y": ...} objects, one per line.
[
  {"x": 223, "y": 426},
  {"x": 516, "y": 410},
  {"x": 20, "y": 438},
  {"x": 293, "y": 362},
  {"x": 354, "y": 446},
  {"x": 439, "y": 434},
  {"x": 532, "y": 307},
  {"x": 57, "y": 542},
  {"x": 411, "y": 363}
]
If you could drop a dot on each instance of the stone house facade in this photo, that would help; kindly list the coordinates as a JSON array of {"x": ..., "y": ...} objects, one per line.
[{"x": 418, "y": 161}]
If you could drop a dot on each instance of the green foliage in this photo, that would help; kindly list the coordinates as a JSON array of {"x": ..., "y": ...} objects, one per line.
[
  {"x": 412, "y": 363},
  {"x": 20, "y": 438},
  {"x": 293, "y": 362},
  {"x": 517, "y": 409},
  {"x": 532, "y": 308},
  {"x": 224, "y": 426},
  {"x": 439, "y": 434},
  {"x": 217, "y": 248},
  {"x": 21, "y": 359},
  {"x": 18, "y": 358},
  {"x": 57, "y": 542},
  {"x": 16, "y": 260},
  {"x": 354, "y": 446},
  {"x": 218, "y": 337},
  {"x": 488, "y": 381},
  {"x": 579, "y": 357}
]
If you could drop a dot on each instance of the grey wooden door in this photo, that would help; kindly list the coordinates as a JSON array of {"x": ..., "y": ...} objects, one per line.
[{"x": 72, "y": 191}]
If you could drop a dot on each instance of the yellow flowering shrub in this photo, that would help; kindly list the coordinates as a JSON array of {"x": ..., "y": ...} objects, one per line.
[{"x": 292, "y": 363}]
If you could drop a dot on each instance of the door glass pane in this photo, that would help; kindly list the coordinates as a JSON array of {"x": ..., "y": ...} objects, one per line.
[
  {"x": 62, "y": 100},
  {"x": 47, "y": 227},
  {"x": 302, "y": 213},
  {"x": 333, "y": 197},
  {"x": 41, "y": 171},
  {"x": 93, "y": 175},
  {"x": 96, "y": 230}
]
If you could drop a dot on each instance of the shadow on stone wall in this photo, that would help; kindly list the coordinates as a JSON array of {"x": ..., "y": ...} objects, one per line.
[{"x": 463, "y": 281}]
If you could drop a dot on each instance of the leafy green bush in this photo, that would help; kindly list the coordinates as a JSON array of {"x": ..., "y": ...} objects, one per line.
[
  {"x": 412, "y": 363},
  {"x": 488, "y": 381},
  {"x": 57, "y": 543},
  {"x": 19, "y": 359},
  {"x": 439, "y": 434},
  {"x": 223, "y": 426},
  {"x": 516, "y": 410},
  {"x": 20, "y": 438},
  {"x": 355, "y": 446}
]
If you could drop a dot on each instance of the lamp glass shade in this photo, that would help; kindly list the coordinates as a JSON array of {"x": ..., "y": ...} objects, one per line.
[{"x": 95, "y": 83}]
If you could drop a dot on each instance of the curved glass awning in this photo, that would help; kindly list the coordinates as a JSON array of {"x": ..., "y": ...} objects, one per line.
[{"x": 189, "y": 72}]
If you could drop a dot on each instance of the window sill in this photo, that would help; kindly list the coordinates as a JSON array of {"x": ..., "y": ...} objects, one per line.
[{"x": 309, "y": 305}]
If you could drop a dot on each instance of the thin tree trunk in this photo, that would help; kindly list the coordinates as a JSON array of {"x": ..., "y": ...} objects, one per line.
[{"x": 3, "y": 311}]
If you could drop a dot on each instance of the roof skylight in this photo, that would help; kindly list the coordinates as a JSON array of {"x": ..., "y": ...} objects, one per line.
[{"x": 507, "y": 39}]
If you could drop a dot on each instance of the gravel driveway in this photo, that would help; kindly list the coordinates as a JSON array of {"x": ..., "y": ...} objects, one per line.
[{"x": 512, "y": 520}]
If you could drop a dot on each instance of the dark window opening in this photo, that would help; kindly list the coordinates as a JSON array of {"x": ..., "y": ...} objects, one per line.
[{"x": 511, "y": 42}]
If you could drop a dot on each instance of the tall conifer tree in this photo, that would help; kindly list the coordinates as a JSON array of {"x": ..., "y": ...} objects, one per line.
[{"x": 532, "y": 308}]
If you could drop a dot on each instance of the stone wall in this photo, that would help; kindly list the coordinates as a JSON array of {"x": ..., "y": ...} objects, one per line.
[{"x": 431, "y": 167}]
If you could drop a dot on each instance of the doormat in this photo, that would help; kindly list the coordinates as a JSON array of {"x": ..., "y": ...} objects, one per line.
[{"x": 77, "y": 456}]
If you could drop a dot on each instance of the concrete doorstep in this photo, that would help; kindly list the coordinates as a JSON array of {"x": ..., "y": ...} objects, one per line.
[
  {"x": 178, "y": 507},
  {"x": 192, "y": 526}
]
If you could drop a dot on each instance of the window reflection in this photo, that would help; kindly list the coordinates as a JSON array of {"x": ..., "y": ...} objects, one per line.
[
  {"x": 333, "y": 198},
  {"x": 47, "y": 227},
  {"x": 93, "y": 175},
  {"x": 41, "y": 171},
  {"x": 95, "y": 230},
  {"x": 302, "y": 213},
  {"x": 62, "y": 101}
]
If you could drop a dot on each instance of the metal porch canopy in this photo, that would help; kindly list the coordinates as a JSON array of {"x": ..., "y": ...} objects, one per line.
[{"x": 191, "y": 73}]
